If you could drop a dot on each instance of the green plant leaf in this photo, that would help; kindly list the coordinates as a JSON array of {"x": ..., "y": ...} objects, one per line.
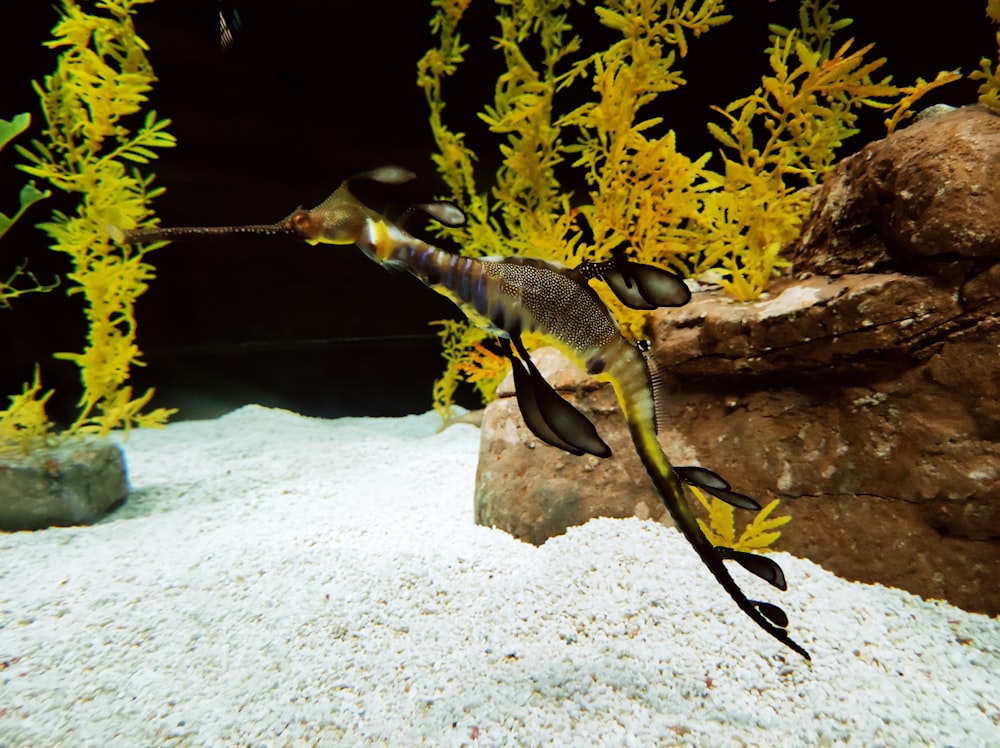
[
  {"x": 10, "y": 130},
  {"x": 29, "y": 196}
]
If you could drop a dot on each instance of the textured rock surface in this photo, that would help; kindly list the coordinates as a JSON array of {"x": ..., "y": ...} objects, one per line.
[
  {"x": 867, "y": 398},
  {"x": 929, "y": 190},
  {"x": 886, "y": 446},
  {"x": 75, "y": 483}
]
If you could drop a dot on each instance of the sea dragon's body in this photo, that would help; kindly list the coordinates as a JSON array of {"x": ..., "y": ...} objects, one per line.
[{"x": 511, "y": 296}]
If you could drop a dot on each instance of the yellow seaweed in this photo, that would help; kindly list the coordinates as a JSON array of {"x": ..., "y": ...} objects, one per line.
[
  {"x": 89, "y": 149},
  {"x": 725, "y": 225},
  {"x": 989, "y": 89},
  {"x": 758, "y": 535}
]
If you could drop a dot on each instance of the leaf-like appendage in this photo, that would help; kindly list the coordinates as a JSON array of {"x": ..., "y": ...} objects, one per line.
[
  {"x": 762, "y": 531},
  {"x": 719, "y": 529}
]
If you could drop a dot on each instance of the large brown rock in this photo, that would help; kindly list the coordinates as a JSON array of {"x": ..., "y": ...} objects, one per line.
[
  {"x": 927, "y": 191},
  {"x": 884, "y": 445},
  {"x": 867, "y": 398}
]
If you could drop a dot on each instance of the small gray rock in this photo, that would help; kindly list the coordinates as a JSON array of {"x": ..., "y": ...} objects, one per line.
[{"x": 74, "y": 483}]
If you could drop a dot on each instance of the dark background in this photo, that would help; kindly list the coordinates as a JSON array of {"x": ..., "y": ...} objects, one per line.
[{"x": 311, "y": 92}]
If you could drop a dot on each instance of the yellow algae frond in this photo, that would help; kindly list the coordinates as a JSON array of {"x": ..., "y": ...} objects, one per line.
[
  {"x": 89, "y": 148},
  {"x": 720, "y": 529},
  {"x": 24, "y": 426},
  {"x": 565, "y": 104},
  {"x": 989, "y": 89},
  {"x": 457, "y": 339}
]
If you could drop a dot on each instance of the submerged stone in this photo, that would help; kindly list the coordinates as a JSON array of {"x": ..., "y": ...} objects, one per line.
[{"x": 74, "y": 483}]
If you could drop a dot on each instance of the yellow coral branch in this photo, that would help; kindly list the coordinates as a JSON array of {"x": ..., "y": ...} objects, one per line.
[{"x": 989, "y": 89}]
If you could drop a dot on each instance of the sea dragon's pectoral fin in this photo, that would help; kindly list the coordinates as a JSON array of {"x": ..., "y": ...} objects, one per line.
[
  {"x": 546, "y": 414},
  {"x": 760, "y": 566},
  {"x": 646, "y": 286},
  {"x": 716, "y": 485},
  {"x": 637, "y": 285}
]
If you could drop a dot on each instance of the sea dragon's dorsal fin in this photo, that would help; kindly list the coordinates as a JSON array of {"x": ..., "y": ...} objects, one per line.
[
  {"x": 657, "y": 383},
  {"x": 444, "y": 212},
  {"x": 545, "y": 413},
  {"x": 637, "y": 285}
]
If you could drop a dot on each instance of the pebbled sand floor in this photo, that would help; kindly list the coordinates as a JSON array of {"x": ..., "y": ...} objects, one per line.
[{"x": 275, "y": 580}]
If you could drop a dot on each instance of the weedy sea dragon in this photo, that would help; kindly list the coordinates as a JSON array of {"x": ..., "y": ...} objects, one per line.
[{"x": 512, "y": 295}]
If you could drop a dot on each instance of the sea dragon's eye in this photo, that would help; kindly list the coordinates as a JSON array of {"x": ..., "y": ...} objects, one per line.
[{"x": 304, "y": 224}]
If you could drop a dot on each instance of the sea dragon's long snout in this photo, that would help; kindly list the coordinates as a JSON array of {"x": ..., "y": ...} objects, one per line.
[{"x": 515, "y": 295}]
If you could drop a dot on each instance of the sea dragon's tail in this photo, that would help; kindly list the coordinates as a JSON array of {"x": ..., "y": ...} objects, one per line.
[
  {"x": 631, "y": 381},
  {"x": 768, "y": 616}
]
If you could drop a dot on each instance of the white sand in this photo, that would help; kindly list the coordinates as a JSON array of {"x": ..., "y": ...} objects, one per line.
[{"x": 282, "y": 581}]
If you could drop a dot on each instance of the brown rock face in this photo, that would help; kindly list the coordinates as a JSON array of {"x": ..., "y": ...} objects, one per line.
[
  {"x": 867, "y": 398},
  {"x": 930, "y": 190},
  {"x": 884, "y": 444}
]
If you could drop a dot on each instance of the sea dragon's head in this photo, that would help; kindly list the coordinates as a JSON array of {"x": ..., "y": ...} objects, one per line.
[{"x": 340, "y": 219}]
